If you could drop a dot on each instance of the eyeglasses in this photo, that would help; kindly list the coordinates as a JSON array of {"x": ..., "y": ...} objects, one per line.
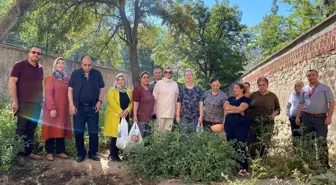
[
  {"x": 168, "y": 72},
  {"x": 35, "y": 52}
]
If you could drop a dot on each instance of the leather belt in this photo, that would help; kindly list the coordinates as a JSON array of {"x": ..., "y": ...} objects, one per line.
[{"x": 316, "y": 115}]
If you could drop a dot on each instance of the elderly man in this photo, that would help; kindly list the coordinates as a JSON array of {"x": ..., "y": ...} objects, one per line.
[
  {"x": 26, "y": 90},
  {"x": 317, "y": 103},
  {"x": 292, "y": 108},
  {"x": 157, "y": 73},
  {"x": 85, "y": 97}
]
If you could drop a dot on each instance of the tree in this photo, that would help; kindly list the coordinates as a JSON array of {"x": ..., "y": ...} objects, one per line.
[
  {"x": 212, "y": 40},
  {"x": 14, "y": 14}
]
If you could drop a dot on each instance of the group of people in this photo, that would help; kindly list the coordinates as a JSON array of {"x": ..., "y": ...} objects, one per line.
[{"x": 245, "y": 114}]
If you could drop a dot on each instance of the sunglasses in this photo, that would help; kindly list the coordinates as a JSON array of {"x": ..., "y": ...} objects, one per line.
[
  {"x": 35, "y": 52},
  {"x": 168, "y": 72}
]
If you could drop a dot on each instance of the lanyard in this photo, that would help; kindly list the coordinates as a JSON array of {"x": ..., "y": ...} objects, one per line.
[{"x": 311, "y": 92}]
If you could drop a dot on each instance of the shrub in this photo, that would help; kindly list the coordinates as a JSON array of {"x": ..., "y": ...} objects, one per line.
[
  {"x": 10, "y": 146},
  {"x": 202, "y": 157}
]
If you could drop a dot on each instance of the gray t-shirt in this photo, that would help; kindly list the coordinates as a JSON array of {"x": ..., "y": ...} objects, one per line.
[
  {"x": 213, "y": 106},
  {"x": 152, "y": 85},
  {"x": 316, "y": 101}
]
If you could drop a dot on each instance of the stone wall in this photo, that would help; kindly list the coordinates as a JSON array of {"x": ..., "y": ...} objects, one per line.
[
  {"x": 313, "y": 50},
  {"x": 10, "y": 55}
]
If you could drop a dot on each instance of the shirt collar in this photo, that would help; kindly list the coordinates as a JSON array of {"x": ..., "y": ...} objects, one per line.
[{"x": 27, "y": 61}]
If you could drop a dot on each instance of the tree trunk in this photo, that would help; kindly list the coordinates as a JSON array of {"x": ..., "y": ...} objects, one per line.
[
  {"x": 133, "y": 56},
  {"x": 14, "y": 15}
]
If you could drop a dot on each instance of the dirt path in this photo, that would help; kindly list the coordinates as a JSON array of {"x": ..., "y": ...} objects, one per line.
[{"x": 68, "y": 172}]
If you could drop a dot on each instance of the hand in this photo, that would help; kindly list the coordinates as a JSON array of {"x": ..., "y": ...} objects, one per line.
[
  {"x": 135, "y": 119},
  {"x": 200, "y": 120},
  {"x": 327, "y": 120},
  {"x": 53, "y": 113},
  {"x": 242, "y": 113},
  {"x": 178, "y": 119},
  {"x": 124, "y": 114},
  {"x": 15, "y": 107},
  {"x": 297, "y": 121},
  {"x": 73, "y": 109},
  {"x": 98, "y": 106}
]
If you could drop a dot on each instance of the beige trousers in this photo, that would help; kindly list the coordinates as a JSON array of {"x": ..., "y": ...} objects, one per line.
[{"x": 164, "y": 124}]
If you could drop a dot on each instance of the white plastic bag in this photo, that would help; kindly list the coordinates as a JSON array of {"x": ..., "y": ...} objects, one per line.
[
  {"x": 199, "y": 128},
  {"x": 122, "y": 134},
  {"x": 134, "y": 136}
]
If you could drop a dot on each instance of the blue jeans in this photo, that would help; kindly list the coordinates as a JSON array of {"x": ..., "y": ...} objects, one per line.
[{"x": 86, "y": 114}]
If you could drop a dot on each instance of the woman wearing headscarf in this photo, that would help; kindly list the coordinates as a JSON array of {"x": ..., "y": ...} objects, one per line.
[
  {"x": 56, "y": 116},
  {"x": 119, "y": 100},
  {"x": 263, "y": 109},
  {"x": 188, "y": 102},
  {"x": 165, "y": 93},
  {"x": 211, "y": 109},
  {"x": 143, "y": 104}
]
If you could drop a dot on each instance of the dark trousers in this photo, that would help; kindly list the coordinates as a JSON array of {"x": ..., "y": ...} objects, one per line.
[
  {"x": 295, "y": 131},
  {"x": 86, "y": 114},
  {"x": 114, "y": 150},
  {"x": 237, "y": 130},
  {"x": 144, "y": 128},
  {"x": 260, "y": 137},
  {"x": 320, "y": 129},
  {"x": 28, "y": 116},
  {"x": 50, "y": 146}
]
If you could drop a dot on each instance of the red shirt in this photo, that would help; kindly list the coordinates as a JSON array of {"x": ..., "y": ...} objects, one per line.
[
  {"x": 146, "y": 103},
  {"x": 30, "y": 81}
]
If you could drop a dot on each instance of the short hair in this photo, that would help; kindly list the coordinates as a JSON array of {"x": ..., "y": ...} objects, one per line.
[
  {"x": 213, "y": 80},
  {"x": 247, "y": 84},
  {"x": 157, "y": 68},
  {"x": 241, "y": 86},
  {"x": 86, "y": 56},
  {"x": 312, "y": 70},
  {"x": 298, "y": 83},
  {"x": 262, "y": 79},
  {"x": 31, "y": 47}
]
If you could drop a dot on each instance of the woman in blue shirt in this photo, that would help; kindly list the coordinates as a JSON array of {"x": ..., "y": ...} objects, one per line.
[{"x": 236, "y": 123}]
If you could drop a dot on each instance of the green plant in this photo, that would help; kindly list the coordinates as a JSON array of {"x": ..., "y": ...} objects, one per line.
[
  {"x": 202, "y": 157},
  {"x": 10, "y": 146}
]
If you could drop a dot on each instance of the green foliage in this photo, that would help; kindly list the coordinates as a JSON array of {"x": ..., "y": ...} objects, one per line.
[
  {"x": 211, "y": 39},
  {"x": 5, "y": 5},
  {"x": 10, "y": 146},
  {"x": 191, "y": 157}
]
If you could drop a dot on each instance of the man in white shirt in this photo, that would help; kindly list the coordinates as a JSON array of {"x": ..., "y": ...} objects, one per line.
[{"x": 292, "y": 108}]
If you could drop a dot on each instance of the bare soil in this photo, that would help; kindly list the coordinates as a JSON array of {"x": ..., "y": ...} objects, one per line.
[{"x": 69, "y": 172}]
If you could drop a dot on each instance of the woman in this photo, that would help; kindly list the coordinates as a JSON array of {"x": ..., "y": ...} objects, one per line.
[
  {"x": 143, "y": 102},
  {"x": 119, "y": 99},
  {"x": 188, "y": 102},
  {"x": 247, "y": 89},
  {"x": 212, "y": 104},
  {"x": 165, "y": 93},
  {"x": 56, "y": 115},
  {"x": 236, "y": 123},
  {"x": 263, "y": 109}
]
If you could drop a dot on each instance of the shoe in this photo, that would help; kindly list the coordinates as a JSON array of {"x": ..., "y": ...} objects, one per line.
[
  {"x": 114, "y": 159},
  {"x": 34, "y": 157},
  {"x": 242, "y": 173},
  {"x": 50, "y": 157},
  {"x": 80, "y": 159},
  {"x": 62, "y": 156},
  {"x": 21, "y": 161},
  {"x": 94, "y": 157}
]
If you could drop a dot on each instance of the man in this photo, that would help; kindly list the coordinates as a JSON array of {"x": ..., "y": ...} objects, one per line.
[
  {"x": 292, "y": 108},
  {"x": 85, "y": 97},
  {"x": 165, "y": 93},
  {"x": 26, "y": 90},
  {"x": 317, "y": 103},
  {"x": 157, "y": 76}
]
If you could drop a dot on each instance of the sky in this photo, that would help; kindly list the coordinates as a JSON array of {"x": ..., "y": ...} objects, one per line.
[{"x": 254, "y": 10}]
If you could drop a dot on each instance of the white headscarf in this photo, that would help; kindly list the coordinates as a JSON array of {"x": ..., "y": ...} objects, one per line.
[
  {"x": 120, "y": 89},
  {"x": 59, "y": 75}
]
